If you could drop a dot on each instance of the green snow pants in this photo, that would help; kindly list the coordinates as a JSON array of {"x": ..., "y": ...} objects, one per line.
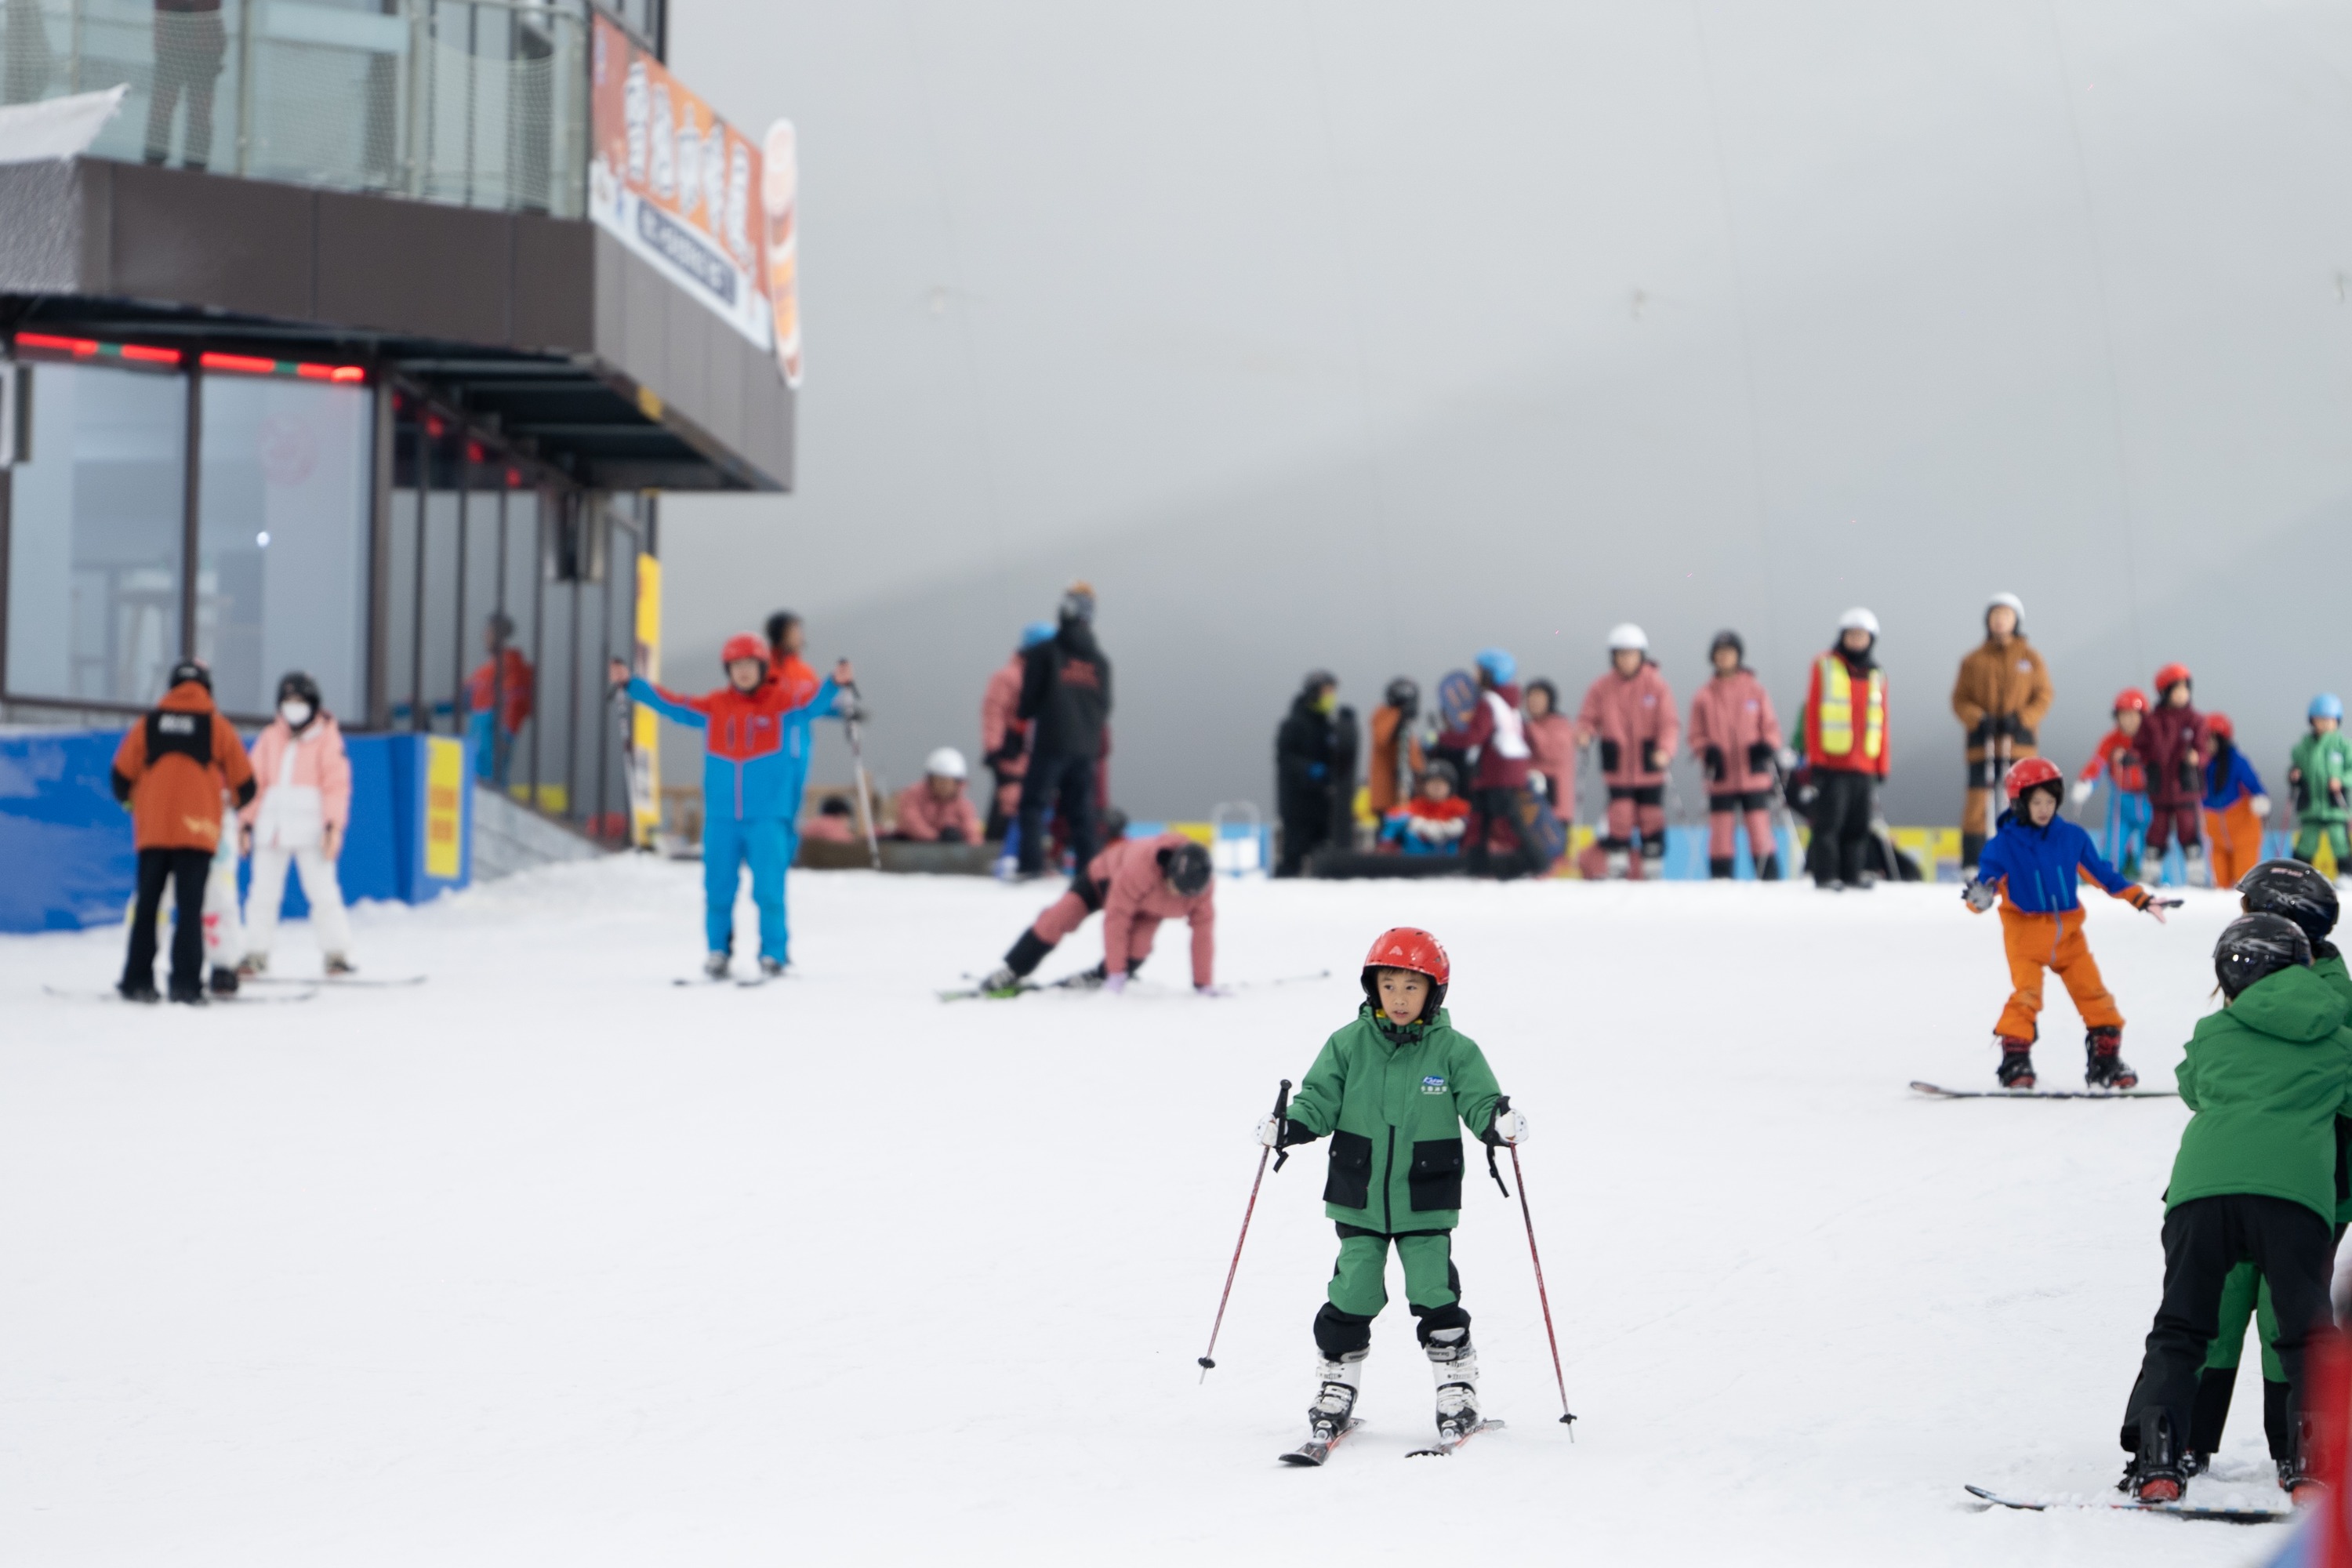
[
  {"x": 2338, "y": 836},
  {"x": 2245, "y": 1294},
  {"x": 1432, "y": 1289}
]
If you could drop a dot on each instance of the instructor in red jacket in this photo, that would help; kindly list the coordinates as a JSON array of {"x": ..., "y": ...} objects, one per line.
[{"x": 1845, "y": 746}]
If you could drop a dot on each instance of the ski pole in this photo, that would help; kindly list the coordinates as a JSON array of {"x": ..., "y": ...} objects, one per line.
[
  {"x": 1567, "y": 1417},
  {"x": 857, "y": 766},
  {"x": 1208, "y": 1357}
]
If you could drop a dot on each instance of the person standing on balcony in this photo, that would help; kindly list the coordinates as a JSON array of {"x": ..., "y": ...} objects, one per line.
[
  {"x": 498, "y": 701},
  {"x": 189, "y": 47}
]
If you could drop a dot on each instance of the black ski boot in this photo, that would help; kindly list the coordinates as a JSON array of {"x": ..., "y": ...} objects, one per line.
[
  {"x": 2016, "y": 1071},
  {"x": 2294, "y": 1473},
  {"x": 136, "y": 991},
  {"x": 1335, "y": 1397},
  {"x": 1770, "y": 871},
  {"x": 2103, "y": 1068},
  {"x": 1719, "y": 867},
  {"x": 223, "y": 980},
  {"x": 2155, "y": 1473}
]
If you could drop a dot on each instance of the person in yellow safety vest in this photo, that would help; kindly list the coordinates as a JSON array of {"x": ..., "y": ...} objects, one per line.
[{"x": 1845, "y": 745}]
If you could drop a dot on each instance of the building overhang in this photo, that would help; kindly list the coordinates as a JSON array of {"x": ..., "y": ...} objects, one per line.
[{"x": 546, "y": 332}]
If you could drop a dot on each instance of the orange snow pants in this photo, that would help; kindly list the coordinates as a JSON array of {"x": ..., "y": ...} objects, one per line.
[
  {"x": 2036, "y": 942},
  {"x": 2235, "y": 838}
]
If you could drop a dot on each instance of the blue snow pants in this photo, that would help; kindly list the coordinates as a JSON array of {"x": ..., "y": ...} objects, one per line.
[
  {"x": 767, "y": 843},
  {"x": 2125, "y": 842}
]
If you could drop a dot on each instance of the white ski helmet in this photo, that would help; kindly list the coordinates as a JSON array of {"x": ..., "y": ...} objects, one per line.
[
  {"x": 2011, "y": 603},
  {"x": 947, "y": 763},
  {"x": 1858, "y": 619},
  {"x": 1626, "y": 636}
]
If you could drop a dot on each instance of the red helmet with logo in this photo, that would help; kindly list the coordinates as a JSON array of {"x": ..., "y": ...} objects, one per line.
[
  {"x": 2023, "y": 775},
  {"x": 2170, "y": 676},
  {"x": 2132, "y": 698},
  {"x": 1409, "y": 947},
  {"x": 743, "y": 645},
  {"x": 2218, "y": 724}
]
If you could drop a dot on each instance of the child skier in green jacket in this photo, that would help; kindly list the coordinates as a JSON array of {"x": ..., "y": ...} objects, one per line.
[
  {"x": 2320, "y": 772},
  {"x": 2254, "y": 1182},
  {"x": 1393, "y": 1091},
  {"x": 2290, "y": 889}
]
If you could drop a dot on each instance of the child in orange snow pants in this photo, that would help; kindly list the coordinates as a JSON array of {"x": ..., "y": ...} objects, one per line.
[{"x": 2039, "y": 941}]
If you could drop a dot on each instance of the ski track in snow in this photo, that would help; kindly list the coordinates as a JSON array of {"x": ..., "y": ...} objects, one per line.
[{"x": 548, "y": 1259}]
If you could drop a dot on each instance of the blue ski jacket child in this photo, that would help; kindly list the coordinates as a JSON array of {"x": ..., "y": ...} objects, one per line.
[
  {"x": 2229, "y": 778},
  {"x": 755, "y": 750},
  {"x": 2041, "y": 864}
]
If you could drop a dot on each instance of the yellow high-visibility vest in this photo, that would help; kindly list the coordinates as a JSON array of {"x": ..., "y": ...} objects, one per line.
[{"x": 1837, "y": 711}]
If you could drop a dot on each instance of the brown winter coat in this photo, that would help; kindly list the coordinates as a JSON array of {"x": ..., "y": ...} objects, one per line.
[
  {"x": 171, "y": 768},
  {"x": 1999, "y": 682}
]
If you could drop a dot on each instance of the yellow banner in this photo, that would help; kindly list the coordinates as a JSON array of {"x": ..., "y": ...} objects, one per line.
[
  {"x": 644, "y": 724},
  {"x": 444, "y": 782}
]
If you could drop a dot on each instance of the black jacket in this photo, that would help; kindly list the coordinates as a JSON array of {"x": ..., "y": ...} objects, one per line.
[
  {"x": 1065, "y": 688},
  {"x": 1306, "y": 750}
]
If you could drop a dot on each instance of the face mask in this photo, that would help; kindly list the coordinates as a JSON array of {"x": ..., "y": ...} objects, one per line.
[{"x": 294, "y": 711}]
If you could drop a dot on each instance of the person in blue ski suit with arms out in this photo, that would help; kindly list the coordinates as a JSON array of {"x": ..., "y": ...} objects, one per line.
[{"x": 755, "y": 754}]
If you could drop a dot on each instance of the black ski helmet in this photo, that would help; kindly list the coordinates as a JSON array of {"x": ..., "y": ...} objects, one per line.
[
  {"x": 1402, "y": 693},
  {"x": 189, "y": 670},
  {"x": 295, "y": 683},
  {"x": 1726, "y": 638},
  {"x": 2253, "y": 947},
  {"x": 2291, "y": 889},
  {"x": 1186, "y": 866},
  {"x": 1439, "y": 768},
  {"x": 1317, "y": 680}
]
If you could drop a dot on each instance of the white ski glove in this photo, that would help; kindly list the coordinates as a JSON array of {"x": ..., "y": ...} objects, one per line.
[
  {"x": 1980, "y": 896},
  {"x": 1269, "y": 1131},
  {"x": 2082, "y": 790},
  {"x": 2263, "y": 806},
  {"x": 1509, "y": 1127}
]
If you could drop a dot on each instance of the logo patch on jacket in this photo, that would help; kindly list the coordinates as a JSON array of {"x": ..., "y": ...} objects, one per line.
[{"x": 1434, "y": 1084}]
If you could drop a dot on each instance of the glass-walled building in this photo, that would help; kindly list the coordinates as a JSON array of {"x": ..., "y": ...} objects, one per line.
[{"x": 361, "y": 341}]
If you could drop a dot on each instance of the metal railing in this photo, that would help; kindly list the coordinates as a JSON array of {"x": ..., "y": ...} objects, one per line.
[{"x": 479, "y": 103}]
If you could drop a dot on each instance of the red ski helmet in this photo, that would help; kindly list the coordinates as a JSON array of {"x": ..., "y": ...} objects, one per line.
[
  {"x": 2132, "y": 698},
  {"x": 2218, "y": 724},
  {"x": 1409, "y": 947},
  {"x": 743, "y": 645},
  {"x": 2032, "y": 771},
  {"x": 2170, "y": 676}
]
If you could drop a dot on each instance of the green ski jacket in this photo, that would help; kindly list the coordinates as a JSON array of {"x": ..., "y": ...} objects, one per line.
[
  {"x": 1394, "y": 1102},
  {"x": 2322, "y": 758},
  {"x": 2267, "y": 1075}
]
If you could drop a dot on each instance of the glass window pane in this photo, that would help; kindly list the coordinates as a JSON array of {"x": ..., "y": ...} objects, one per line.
[
  {"x": 282, "y": 502},
  {"x": 94, "y": 536}
]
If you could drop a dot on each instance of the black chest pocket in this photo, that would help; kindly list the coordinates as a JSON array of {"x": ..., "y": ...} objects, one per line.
[
  {"x": 189, "y": 735},
  {"x": 1608, "y": 752},
  {"x": 1349, "y": 1185},
  {"x": 1435, "y": 1180}
]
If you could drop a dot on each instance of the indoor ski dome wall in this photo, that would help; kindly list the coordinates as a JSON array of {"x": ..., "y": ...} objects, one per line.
[{"x": 1364, "y": 336}]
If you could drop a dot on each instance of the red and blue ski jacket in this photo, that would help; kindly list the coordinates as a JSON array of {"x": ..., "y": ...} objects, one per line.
[
  {"x": 755, "y": 743},
  {"x": 2040, "y": 865}
]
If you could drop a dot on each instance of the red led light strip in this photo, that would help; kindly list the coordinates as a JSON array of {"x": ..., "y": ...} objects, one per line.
[{"x": 234, "y": 365}]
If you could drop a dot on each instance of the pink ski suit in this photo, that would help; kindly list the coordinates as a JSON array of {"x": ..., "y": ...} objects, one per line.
[
  {"x": 924, "y": 818},
  {"x": 1735, "y": 735},
  {"x": 1004, "y": 737},
  {"x": 1633, "y": 720},
  {"x": 1126, "y": 883},
  {"x": 1552, "y": 740}
]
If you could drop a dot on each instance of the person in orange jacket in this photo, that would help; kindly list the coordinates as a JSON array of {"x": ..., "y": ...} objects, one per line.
[
  {"x": 498, "y": 699},
  {"x": 170, "y": 770},
  {"x": 1845, "y": 751},
  {"x": 2236, "y": 804}
]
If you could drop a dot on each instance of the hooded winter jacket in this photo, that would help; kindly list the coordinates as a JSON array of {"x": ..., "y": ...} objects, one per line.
[
  {"x": 1003, "y": 735},
  {"x": 755, "y": 747},
  {"x": 502, "y": 681},
  {"x": 1394, "y": 1101},
  {"x": 1497, "y": 734},
  {"x": 2323, "y": 761},
  {"x": 2229, "y": 777},
  {"x": 304, "y": 782},
  {"x": 2267, "y": 1075},
  {"x": 1734, "y": 733},
  {"x": 924, "y": 818},
  {"x": 1634, "y": 718},
  {"x": 1135, "y": 888},
  {"x": 2171, "y": 743},
  {"x": 2118, "y": 757},
  {"x": 1065, "y": 688},
  {"x": 2035, "y": 866},
  {"x": 171, "y": 768},
  {"x": 2002, "y": 689},
  {"x": 1551, "y": 750},
  {"x": 1307, "y": 749}
]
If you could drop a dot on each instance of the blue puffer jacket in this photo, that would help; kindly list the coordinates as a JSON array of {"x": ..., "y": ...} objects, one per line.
[
  {"x": 2229, "y": 778},
  {"x": 2039, "y": 865}
]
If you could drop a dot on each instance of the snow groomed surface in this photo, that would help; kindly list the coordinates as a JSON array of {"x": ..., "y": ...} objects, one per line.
[{"x": 549, "y": 1259}]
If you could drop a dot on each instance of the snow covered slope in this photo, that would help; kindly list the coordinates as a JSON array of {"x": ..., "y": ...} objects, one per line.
[{"x": 549, "y": 1260}]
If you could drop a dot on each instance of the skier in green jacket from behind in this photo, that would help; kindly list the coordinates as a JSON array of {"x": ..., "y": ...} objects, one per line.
[
  {"x": 1393, "y": 1091},
  {"x": 2266, "y": 1077},
  {"x": 2294, "y": 889}
]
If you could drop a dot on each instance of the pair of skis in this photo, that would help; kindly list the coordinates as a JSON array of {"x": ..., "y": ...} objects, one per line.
[
  {"x": 1088, "y": 980},
  {"x": 1312, "y": 1453}
]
